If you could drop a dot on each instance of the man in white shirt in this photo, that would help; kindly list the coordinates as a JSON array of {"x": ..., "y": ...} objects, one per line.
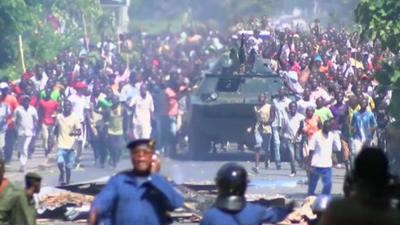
[
  {"x": 321, "y": 146},
  {"x": 80, "y": 107},
  {"x": 40, "y": 78},
  {"x": 305, "y": 102},
  {"x": 280, "y": 105},
  {"x": 25, "y": 118},
  {"x": 291, "y": 130},
  {"x": 128, "y": 92},
  {"x": 143, "y": 109}
]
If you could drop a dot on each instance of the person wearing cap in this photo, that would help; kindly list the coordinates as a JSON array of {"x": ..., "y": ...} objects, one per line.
[
  {"x": 10, "y": 134},
  {"x": 7, "y": 196},
  {"x": 24, "y": 211},
  {"x": 80, "y": 107},
  {"x": 25, "y": 118},
  {"x": 139, "y": 196},
  {"x": 231, "y": 206}
]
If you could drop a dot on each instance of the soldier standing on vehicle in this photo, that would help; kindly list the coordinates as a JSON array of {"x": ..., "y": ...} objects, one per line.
[{"x": 140, "y": 196}]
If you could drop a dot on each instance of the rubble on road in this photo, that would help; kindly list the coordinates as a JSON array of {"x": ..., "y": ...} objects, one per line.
[{"x": 72, "y": 202}]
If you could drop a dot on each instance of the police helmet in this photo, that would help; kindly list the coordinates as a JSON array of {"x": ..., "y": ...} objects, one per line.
[{"x": 231, "y": 181}]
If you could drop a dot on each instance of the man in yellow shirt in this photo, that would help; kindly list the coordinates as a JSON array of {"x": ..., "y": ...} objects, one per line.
[
  {"x": 68, "y": 127},
  {"x": 265, "y": 114}
]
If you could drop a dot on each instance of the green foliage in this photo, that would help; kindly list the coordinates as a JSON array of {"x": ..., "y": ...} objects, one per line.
[
  {"x": 41, "y": 42},
  {"x": 16, "y": 17},
  {"x": 380, "y": 21}
]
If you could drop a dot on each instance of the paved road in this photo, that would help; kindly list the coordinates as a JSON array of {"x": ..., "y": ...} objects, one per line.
[{"x": 270, "y": 181}]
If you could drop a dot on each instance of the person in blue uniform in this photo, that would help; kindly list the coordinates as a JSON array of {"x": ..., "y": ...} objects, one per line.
[
  {"x": 231, "y": 208},
  {"x": 140, "y": 196}
]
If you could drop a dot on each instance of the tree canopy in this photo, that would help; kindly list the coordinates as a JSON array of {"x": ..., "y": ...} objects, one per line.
[
  {"x": 47, "y": 27},
  {"x": 380, "y": 22}
]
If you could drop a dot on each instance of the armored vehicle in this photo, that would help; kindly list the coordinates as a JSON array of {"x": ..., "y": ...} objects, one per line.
[{"x": 222, "y": 108}]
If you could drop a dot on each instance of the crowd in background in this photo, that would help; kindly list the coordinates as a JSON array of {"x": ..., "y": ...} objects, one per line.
[{"x": 328, "y": 70}]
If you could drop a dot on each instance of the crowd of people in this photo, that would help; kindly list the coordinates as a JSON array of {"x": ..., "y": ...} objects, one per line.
[
  {"x": 330, "y": 106},
  {"x": 71, "y": 101}
]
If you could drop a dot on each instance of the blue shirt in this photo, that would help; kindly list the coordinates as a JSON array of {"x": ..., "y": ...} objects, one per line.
[
  {"x": 251, "y": 214},
  {"x": 123, "y": 201},
  {"x": 362, "y": 124}
]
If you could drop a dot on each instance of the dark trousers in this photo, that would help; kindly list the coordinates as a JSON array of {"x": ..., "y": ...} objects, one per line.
[
  {"x": 97, "y": 143},
  {"x": 115, "y": 146},
  {"x": 11, "y": 137},
  {"x": 102, "y": 149},
  {"x": 315, "y": 174}
]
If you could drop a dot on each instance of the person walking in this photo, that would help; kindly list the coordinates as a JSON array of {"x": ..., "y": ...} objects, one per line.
[
  {"x": 138, "y": 196},
  {"x": 321, "y": 146},
  {"x": 25, "y": 118},
  {"x": 68, "y": 128}
]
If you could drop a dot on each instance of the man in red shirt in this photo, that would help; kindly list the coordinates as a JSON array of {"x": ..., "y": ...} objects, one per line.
[
  {"x": 47, "y": 112},
  {"x": 11, "y": 132},
  {"x": 173, "y": 94}
]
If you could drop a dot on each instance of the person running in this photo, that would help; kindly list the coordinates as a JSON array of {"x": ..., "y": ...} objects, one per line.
[
  {"x": 47, "y": 113},
  {"x": 321, "y": 147},
  {"x": 280, "y": 104},
  {"x": 68, "y": 128},
  {"x": 143, "y": 112},
  {"x": 80, "y": 107},
  {"x": 305, "y": 102},
  {"x": 11, "y": 133},
  {"x": 363, "y": 125},
  {"x": 25, "y": 118},
  {"x": 262, "y": 130},
  {"x": 323, "y": 112},
  {"x": 115, "y": 132},
  {"x": 291, "y": 130},
  {"x": 339, "y": 111}
]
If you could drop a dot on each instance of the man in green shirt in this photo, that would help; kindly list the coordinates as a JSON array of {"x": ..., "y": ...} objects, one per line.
[
  {"x": 24, "y": 212},
  {"x": 115, "y": 132},
  {"x": 7, "y": 198},
  {"x": 323, "y": 112}
]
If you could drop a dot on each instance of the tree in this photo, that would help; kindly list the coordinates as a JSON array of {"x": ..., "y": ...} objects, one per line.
[
  {"x": 16, "y": 17},
  {"x": 380, "y": 22}
]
